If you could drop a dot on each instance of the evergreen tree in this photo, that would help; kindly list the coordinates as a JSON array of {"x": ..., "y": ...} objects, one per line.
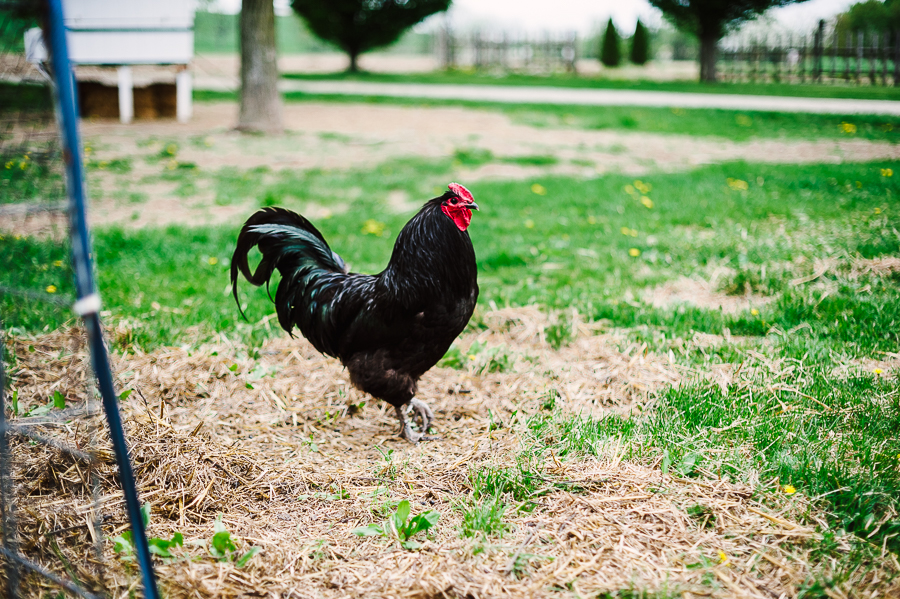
[
  {"x": 610, "y": 54},
  {"x": 640, "y": 44},
  {"x": 357, "y": 26}
]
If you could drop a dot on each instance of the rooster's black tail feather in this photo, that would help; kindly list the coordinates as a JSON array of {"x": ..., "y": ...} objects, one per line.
[{"x": 292, "y": 245}]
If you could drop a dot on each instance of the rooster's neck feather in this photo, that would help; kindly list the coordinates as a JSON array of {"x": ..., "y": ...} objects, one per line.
[{"x": 431, "y": 258}]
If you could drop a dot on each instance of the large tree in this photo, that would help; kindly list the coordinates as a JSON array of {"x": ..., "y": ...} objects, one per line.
[
  {"x": 873, "y": 16},
  {"x": 260, "y": 103},
  {"x": 357, "y": 26},
  {"x": 710, "y": 20}
]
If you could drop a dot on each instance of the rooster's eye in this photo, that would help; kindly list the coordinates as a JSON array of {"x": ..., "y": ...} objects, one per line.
[{"x": 454, "y": 201}]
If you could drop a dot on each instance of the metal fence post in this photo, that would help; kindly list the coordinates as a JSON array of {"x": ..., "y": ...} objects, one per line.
[
  {"x": 88, "y": 304},
  {"x": 818, "y": 42}
]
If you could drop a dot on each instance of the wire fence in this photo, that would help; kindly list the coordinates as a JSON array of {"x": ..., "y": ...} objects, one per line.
[{"x": 66, "y": 485}]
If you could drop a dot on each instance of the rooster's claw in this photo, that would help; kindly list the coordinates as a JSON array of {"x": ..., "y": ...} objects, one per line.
[{"x": 425, "y": 415}]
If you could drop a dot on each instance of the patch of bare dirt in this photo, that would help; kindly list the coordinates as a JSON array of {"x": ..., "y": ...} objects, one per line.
[
  {"x": 374, "y": 133},
  {"x": 703, "y": 294},
  {"x": 346, "y": 136}
]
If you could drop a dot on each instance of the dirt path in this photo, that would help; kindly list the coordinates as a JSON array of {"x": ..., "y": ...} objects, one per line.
[{"x": 339, "y": 135}]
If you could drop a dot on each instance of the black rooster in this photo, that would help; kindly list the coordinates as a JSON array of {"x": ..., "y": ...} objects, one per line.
[{"x": 387, "y": 329}]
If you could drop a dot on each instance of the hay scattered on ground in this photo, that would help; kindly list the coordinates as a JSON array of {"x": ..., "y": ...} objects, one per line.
[{"x": 276, "y": 442}]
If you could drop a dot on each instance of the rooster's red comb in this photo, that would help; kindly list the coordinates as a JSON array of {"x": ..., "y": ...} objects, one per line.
[{"x": 461, "y": 191}]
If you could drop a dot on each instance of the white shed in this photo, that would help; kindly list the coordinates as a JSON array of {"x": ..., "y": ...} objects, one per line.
[{"x": 134, "y": 32}]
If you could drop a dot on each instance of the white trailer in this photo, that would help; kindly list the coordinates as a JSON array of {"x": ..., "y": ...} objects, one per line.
[{"x": 123, "y": 33}]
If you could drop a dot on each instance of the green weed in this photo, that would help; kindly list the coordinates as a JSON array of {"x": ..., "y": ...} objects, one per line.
[
  {"x": 401, "y": 527},
  {"x": 223, "y": 548}
]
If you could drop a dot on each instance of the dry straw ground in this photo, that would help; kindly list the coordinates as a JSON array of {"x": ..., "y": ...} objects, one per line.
[{"x": 293, "y": 459}]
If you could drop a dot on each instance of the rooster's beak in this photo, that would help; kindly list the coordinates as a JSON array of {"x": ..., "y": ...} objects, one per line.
[{"x": 472, "y": 206}]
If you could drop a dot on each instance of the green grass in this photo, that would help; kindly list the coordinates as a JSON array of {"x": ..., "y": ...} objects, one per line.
[
  {"x": 460, "y": 77},
  {"x": 484, "y": 519},
  {"x": 36, "y": 283},
  {"x": 733, "y": 125},
  {"x": 570, "y": 248},
  {"x": 828, "y": 437}
]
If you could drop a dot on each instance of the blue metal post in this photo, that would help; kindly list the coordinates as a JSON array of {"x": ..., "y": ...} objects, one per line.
[{"x": 88, "y": 304}]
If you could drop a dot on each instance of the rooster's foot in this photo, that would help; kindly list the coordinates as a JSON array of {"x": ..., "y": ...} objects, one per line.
[{"x": 425, "y": 415}]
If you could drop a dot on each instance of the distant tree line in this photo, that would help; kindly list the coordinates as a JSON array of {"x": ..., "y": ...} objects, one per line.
[{"x": 871, "y": 16}]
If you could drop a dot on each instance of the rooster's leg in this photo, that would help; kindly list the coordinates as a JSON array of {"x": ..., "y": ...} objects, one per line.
[
  {"x": 406, "y": 430},
  {"x": 424, "y": 413}
]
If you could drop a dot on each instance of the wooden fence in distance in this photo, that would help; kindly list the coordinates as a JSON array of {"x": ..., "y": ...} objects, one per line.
[
  {"x": 508, "y": 52},
  {"x": 849, "y": 58}
]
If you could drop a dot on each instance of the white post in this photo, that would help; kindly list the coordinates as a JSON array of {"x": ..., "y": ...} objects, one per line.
[
  {"x": 126, "y": 94},
  {"x": 183, "y": 95}
]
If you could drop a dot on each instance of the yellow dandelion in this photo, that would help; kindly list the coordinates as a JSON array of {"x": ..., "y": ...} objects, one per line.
[
  {"x": 887, "y": 172},
  {"x": 171, "y": 149},
  {"x": 754, "y": 312},
  {"x": 848, "y": 128},
  {"x": 647, "y": 202},
  {"x": 877, "y": 211},
  {"x": 737, "y": 184},
  {"x": 51, "y": 289},
  {"x": 592, "y": 220},
  {"x": 57, "y": 263},
  {"x": 878, "y": 371},
  {"x": 529, "y": 224},
  {"x": 23, "y": 165},
  {"x": 172, "y": 164},
  {"x": 625, "y": 231},
  {"x": 9, "y": 164},
  {"x": 213, "y": 260},
  {"x": 373, "y": 227},
  {"x": 789, "y": 489},
  {"x": 723, "y": 558},
  {"x": 103, "y": 164},
  {"x": 539, "y": 189},
  {"x": 634, "y": 252},
  {"x": 629, "y": 190},
  {"x": 471, "y": 356},
  {"x": 642, "y": 187}
]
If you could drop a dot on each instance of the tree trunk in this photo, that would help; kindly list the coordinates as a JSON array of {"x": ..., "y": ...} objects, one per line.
[
  {"x": 260, "y": 102},
  {"x": 708, "y": 56},
  {"x": 354, "y": 61}
]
